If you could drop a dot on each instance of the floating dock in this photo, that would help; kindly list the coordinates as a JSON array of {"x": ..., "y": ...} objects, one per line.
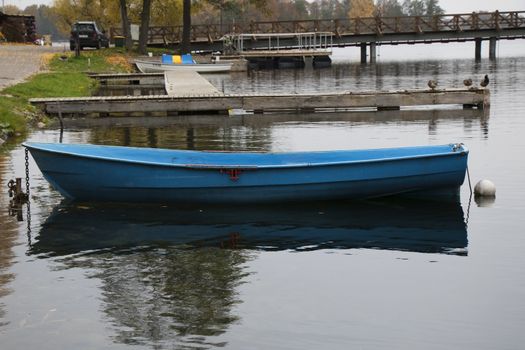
[
  {"x": 129, "y": 78},
  {"x": 188, "y": 92},
  {"x": 183, "y": 83},
  {"x": 262, "y": 103}
]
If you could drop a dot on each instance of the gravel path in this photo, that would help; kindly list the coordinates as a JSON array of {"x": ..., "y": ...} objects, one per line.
[{"x": 17, "y": 62}]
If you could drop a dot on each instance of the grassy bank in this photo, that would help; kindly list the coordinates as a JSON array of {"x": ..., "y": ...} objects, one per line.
[{"x": 64, "y": 75}]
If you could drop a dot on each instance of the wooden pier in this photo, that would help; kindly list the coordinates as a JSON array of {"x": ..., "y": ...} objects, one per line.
[
  {"x": 262, "y": 103},
  {"x": 129, "y": 78},
  {"x": 183, "y": 83},
  {"x": 364, "y": 32}
]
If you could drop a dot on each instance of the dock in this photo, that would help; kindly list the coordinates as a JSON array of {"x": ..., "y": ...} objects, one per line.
[
  {"x": 129, "y": 78},
  {"x": 183, "y": 83},
  {"x": 189, "y": 103}
]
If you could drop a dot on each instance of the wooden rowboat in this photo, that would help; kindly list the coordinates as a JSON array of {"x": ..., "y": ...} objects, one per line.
[
  {"x": 112, "y": 173},
  {"x": 159, "y": 67}
]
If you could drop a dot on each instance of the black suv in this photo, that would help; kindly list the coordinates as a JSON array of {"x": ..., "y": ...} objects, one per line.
[{"x": 88, "y": 36}]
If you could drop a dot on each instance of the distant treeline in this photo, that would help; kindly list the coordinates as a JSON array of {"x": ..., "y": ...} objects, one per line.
[
  {"x": 46, "y": 18},
  {"x": 57, "y": 19}
]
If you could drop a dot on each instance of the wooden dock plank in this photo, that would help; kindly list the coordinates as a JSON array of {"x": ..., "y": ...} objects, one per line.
[
  {"x": 188, "y": 83},
  {"x": 262, "y": 102},
  {"x": 286, "y": 53}
]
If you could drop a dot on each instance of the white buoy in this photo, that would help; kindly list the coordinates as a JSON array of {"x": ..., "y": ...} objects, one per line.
[{"x": 485, "y": 188}]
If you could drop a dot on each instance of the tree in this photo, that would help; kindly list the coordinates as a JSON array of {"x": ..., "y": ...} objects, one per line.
[
  {"x": 186, "y": 27},
  {"x": 126, "y": 30},
  {"x": 389, "y": 8},
  {"x": 300, "y": 9},
  {"x": 11, "y": 10},
  {"x": 362, "y": 8},
  {"x": 315, "y": 10},
  {"x": 104, "y": 12},
  {"x": 166, "y": 12},
  {"x": 144, "y": 26},
  {"x": 45, "y": 20},
  {"x": 432, "y": 8},
  {"x": 414, "y": 7},
  {"x": 422, "y": 8},
  {"x": 343, "y": 8}
]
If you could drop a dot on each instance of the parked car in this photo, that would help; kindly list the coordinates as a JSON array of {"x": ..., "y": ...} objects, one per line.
[{"x": 89, "y": 35}]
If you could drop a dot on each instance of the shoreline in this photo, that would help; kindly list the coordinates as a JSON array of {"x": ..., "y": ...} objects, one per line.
[{"x": 34, "y": 71}]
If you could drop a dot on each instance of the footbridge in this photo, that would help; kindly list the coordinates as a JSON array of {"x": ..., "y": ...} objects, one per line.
[{"x": 366, "y": 33}]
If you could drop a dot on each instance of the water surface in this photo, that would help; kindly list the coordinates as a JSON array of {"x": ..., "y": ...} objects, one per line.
[{"x": 391, "y": 273}]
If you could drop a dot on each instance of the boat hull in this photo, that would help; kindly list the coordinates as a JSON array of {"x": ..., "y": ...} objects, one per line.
[
  {"x": 88, "y": 178},
  {"x": 157, "y": 67}
]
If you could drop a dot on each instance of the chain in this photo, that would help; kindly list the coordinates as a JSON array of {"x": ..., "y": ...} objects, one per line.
[
  {"x": 27, "y": 173},
  {"x": 28, "y": 197}
]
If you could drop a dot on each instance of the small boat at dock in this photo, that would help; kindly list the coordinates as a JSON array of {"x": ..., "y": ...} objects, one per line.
[
  {"x": 159, "y": 67},
  {"x": 128, "y": 174}
]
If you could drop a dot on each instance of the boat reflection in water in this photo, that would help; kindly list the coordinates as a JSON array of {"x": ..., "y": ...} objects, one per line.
[
  {"x": 170, "y": 277},
  {"x": 394, "y": 224}
]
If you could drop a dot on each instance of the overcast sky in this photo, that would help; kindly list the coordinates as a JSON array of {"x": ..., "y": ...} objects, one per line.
[{"x": 450, "y": 6}]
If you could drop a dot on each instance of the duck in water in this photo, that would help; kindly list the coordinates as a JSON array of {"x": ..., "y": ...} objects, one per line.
[{"x": 485, "y": 81}]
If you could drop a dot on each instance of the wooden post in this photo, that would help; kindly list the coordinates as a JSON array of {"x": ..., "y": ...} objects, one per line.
[
  {"x": 478, "y": 49},
  {"x": 492, "y": 49},
  {"x": 77, "y": 44},
  {"x": 373, "y": 52},
  {"x": 363, "y": 52}
]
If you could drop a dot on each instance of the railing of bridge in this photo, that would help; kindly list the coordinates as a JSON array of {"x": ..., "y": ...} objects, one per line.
[{"x": 347, "y": 26}]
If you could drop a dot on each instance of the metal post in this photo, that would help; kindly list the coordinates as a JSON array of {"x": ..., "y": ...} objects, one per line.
[
  {"x": 373, "y": 52},
  {"x": 492, "y": 49},
  {"x": 363, "y": 52},
  {"x": 478, "y": 49}
]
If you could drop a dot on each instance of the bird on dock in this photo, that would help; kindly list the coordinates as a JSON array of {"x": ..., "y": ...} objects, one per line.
[
  {"x": 432, "y": 84},
  {"x": 485, "y": 81},
  {"x": 467, "y": 82}
]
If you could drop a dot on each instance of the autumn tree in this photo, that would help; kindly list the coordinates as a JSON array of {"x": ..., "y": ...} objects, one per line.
[
  {"x": 422, "y": 8},
  {"x": 144, "y": 26},
  {"x": 45, "y": 20},
  {"x": 126, "y": 30},
  {"x": 11, "y": 10},
  {"x": 414, "y": 7},
  {"x": 104, "y": 12},
  {"x": 388, "y": 8},
  {"x": 186, "y": 27},
  {"x": 362, "y": 8},
  {"x": 343, "y": 8},
  {"x": 432, "y": 8}
]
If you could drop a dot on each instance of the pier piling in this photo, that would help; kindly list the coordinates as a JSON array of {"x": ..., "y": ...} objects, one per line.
[
  {"x": 492, "y": 48},
  {"x": 477, "y": 53}
]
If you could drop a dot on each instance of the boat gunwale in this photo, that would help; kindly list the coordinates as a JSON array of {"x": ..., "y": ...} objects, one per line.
[
  {"x": 224, "y": 64},
  {"x": 461, "y": 151}
]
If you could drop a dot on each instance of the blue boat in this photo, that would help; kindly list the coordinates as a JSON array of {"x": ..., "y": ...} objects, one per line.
[{"x": 128, "y": 174}]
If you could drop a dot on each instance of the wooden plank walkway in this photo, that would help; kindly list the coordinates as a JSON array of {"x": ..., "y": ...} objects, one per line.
[
  {"x": 354, "y": 31},
  {"x": 260, "y": 103},
  {"x": 283, "y": 53},
  {"x": 184, "y": 83},
  {"x": 129, "y": 78}
]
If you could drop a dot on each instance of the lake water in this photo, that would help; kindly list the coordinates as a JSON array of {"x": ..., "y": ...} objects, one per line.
[{"x": 396, "y": 274}]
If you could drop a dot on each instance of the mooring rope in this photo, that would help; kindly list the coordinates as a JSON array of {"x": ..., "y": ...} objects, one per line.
[{"x": 469, "y": 183}]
